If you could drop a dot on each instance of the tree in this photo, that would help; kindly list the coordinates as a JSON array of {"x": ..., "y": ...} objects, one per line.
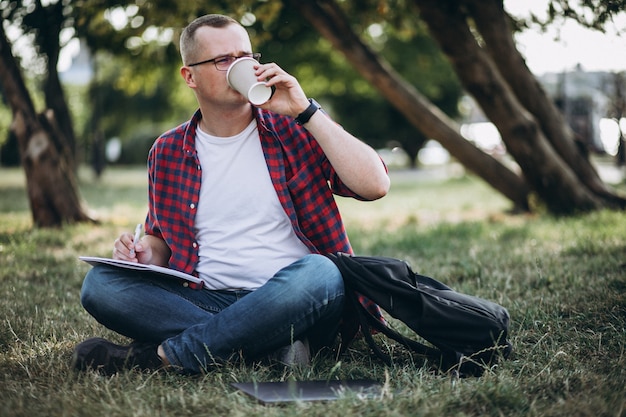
[
  {"x": 532, "y": 127},
  {"x": 474, "y": 35},
  {"x": 493, "y": 71},
  {"x": 417, "y": 58},
  {"x": 52, "y": 189},
  {"x": 46, "y": 141},
  {"x": 330, "y": 20},
  {"x": 45, "y": 23}
]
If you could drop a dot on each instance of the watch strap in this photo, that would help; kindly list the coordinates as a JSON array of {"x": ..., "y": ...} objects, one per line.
[{"x": 308, "y": 112}]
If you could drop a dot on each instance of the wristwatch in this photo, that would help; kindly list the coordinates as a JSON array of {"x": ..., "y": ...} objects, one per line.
[{"x": 306, "y": 114}]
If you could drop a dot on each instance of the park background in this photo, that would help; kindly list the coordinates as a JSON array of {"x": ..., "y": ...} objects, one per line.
[{"x": 561, "y": 274}]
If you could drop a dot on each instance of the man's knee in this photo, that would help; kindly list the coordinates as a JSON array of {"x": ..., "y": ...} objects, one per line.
[
  {"x": 89, "y": 290},
  {"x": 319, "y": 279},
  {"x": 96, "y": 287},
  {"x": 324, "y": 270}
]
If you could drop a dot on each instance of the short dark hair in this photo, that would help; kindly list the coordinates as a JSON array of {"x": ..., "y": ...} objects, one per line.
[{"x": 187, "y": 37}]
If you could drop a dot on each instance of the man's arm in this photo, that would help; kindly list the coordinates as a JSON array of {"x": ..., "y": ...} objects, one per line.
[{"x": 356, "y": 163}]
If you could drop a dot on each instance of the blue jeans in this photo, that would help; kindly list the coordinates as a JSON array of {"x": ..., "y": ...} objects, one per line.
[{"x": 197, "y": 328}]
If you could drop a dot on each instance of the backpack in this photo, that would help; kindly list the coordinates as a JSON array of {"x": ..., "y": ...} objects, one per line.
[{"x": 468, "y": 333}]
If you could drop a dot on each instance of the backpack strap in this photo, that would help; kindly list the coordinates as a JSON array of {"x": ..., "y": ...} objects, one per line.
[
  {"x": 368, "y": 321},
  {"x": 362, "y": 317}
]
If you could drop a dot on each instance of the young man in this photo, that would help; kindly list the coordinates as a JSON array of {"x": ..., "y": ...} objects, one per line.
[{"x": 240, "y": 196}]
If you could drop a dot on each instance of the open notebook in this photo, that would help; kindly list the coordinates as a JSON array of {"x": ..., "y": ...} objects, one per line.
[
  {"x": 277, "y": 392},
  {"x": 193, "y": 282}
]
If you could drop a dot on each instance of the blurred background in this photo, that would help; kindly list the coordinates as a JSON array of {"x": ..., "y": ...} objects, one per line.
[{"x": 109, "y": 73}]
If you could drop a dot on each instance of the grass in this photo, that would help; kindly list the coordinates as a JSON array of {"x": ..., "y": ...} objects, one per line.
[{"x": 562, "y": 280}]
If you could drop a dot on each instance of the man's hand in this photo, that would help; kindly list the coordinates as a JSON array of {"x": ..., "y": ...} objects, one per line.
[
  {"x": 289, "y": 98},
  {"x": 148, "y": 250}
]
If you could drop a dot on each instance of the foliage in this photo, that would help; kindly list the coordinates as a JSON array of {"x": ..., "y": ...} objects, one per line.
[
  {"x": 124, "y": 100},
  {"x": 137, "y": 63},
  {"x": 593, "y": 14},
  {"x": 34, "y": 20},
  {"x": 561, "y": 279}
]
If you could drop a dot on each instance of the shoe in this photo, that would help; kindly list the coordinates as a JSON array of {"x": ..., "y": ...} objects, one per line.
[
  {"x": 296, "y": 354},
  {"x": 100, "y": 355}
]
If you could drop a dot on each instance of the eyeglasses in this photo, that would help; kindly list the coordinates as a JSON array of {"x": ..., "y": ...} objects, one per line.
[{"x": 222, "y": 63}]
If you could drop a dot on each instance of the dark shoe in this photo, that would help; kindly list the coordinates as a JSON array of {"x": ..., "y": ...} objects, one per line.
[{"x": 108, "y": 358}]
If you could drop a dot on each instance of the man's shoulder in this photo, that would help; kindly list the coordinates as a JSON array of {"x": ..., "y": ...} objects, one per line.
[
  {"x": 173, "y": 138},
  {"x": 174, "y": 134},
  {"x": 179, "y": 132}
]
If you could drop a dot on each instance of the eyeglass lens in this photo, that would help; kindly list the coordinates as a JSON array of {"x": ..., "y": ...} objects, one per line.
[{"x": 225, "y": 62}]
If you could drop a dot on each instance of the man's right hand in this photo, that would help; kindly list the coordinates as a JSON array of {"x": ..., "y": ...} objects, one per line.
[{"x": 148, "y": 250}]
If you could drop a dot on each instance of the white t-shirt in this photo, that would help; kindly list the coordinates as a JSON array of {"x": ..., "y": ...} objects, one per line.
[{"x": 243, "y": 232}]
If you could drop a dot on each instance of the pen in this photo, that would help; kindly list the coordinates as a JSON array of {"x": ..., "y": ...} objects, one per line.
[{"x": 136, "y": 238}]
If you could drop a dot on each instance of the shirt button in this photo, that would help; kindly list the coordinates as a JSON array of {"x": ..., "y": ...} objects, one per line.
[
  {"x": 192, "y": 205},
  {"x": 194, "y": 244}
]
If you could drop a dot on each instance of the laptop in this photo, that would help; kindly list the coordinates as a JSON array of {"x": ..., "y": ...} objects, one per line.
[{"x": 286, "y": 391}]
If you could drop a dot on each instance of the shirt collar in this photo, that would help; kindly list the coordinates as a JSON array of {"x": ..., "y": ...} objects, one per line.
[{"x": 189, "y": 141}]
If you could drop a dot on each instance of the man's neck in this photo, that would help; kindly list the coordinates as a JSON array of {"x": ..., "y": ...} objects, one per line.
[{"x": 226, "y": 123}]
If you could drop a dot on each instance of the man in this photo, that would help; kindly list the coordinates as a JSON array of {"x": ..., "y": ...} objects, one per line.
[{"x": 241, "y": 197}]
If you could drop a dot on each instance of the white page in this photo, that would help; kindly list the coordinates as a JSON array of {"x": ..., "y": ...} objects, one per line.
[{"x": 93, "y": 260}]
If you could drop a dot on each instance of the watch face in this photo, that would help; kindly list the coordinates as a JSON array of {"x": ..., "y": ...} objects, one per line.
[{"x": 314, "y": 103}]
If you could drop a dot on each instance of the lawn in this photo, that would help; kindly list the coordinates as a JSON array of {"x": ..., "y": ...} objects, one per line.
[{"x": 563, "y": 281}]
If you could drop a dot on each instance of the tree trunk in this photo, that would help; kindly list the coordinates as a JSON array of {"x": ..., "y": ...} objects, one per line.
[
  {"x": 48, "y": 41},
  {"x": 329, "y": 20},
  {"x": 51, "y": 184},
  {"x": 550, "y": 177},
  {"x": 493, "y": 24},
  {"x": 412, "y": 146}
]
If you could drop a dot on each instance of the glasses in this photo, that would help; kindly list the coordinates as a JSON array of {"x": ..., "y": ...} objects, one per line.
[{"x": 222, "y": 63}]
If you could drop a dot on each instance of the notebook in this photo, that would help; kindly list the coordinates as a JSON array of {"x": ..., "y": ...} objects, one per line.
[
  {"x": 277, "y": 392},
  {"x": 192, "y": 281}
]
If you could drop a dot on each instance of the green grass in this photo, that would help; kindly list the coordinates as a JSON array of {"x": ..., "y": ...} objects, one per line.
[{"x": 562, "y": 280}]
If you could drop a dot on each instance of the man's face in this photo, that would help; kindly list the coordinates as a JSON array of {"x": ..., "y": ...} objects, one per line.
[{"x": 209, "y": 83}]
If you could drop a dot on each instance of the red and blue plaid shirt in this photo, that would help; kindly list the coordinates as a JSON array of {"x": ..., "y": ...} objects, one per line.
[{"x": 303, "y": 178}]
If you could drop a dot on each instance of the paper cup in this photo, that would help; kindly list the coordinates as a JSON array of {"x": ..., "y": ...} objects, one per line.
[{"x": 241, "y": 77}]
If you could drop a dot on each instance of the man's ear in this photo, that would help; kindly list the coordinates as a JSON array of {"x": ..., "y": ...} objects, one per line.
[{"x": 187, "y": 75}]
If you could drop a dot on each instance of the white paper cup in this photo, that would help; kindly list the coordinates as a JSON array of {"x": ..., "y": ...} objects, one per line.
[{"x": 241, "y": 77}]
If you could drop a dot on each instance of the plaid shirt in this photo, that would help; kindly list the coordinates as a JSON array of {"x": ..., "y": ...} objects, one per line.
[
  {"x": 299, "y": 170},
  {"x": 303, "y": 178}
]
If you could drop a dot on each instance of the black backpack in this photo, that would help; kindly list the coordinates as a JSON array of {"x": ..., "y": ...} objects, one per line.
[{"x": 469, "y": 334}]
